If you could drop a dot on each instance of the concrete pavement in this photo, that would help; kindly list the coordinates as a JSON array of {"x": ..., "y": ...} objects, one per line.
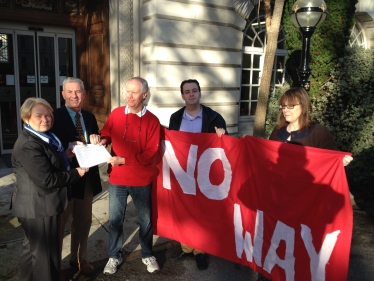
[{"x": 11, "y": 237}]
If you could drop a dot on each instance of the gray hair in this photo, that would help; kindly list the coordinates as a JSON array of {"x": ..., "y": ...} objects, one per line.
[
  {"x": 30, "y": 103},
  {"x": 72, "y": 80},
  {"x": 142, "y": 81}
]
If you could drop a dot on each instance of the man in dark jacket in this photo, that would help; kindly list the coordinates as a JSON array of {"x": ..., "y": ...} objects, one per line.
[
  {"x": 72, "y": 123},
  {"x": 195, "y": 118}
]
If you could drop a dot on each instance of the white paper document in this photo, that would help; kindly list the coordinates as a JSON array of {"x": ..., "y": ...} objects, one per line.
[{"x": 91, "y": 155}]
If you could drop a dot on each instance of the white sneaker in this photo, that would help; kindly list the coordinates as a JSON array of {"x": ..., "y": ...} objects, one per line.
[
  {"x": 152, "y": 265},
  {"x": 111, "y": 266}
]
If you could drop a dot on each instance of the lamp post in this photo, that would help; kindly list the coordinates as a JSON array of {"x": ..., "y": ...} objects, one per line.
[{"x": 307, "y": 15}]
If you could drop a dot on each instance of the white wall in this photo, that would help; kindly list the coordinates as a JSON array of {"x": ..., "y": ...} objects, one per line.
[
  {"x": 192, "y": 40},
  {"x": 365, "y": 15},
  {"x": 366, "y": 6}
]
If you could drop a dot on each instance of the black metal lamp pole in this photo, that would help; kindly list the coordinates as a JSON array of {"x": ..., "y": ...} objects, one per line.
[
  {"x": 304, "y": 69},
  {"x": 307, "y": 15}
]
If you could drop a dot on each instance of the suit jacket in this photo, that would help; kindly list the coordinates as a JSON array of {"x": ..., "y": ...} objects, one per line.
[
  {"x": 65, "y": 130},
  {"x": 41, "y": 178}
]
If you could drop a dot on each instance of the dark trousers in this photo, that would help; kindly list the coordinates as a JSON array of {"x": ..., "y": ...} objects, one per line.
[{"x": 40, "y": 252}]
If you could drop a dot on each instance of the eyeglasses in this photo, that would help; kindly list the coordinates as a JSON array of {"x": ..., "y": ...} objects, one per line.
[{"x": 289, "y": 106}]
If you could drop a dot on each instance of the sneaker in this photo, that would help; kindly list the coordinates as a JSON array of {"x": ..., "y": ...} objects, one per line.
[
  {"x": 152, "y": 265},
  {"x": 111, "y": 266}
]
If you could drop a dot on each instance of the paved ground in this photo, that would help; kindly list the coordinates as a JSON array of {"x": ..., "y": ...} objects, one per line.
[{"x": 361, "y": 259}]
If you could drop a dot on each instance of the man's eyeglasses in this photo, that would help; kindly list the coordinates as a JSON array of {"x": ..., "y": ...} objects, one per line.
[{"x": 289, "y": 106}]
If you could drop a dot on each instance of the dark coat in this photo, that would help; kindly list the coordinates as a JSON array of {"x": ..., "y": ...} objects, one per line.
[
  {"x": 65, "y": 130},
  {"x": 210, "y": 120},
  {"x": 41, "y": 178},
  {"x": 316, "y": 136}
]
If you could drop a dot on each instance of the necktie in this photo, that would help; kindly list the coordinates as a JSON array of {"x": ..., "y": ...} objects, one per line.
[{"x": 78, "y": 126}]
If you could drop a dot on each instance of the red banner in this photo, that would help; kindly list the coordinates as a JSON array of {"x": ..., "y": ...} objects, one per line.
[{"x": 282, "y": 209}]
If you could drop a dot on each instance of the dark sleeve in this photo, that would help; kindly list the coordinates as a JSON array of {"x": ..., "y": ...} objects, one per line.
[
  {"x": 43, "y": 168},
  {"x": 174, "y": 122},
  {"x": 222, "y": 124},
  {"x": 324, "y": 138},
  {"x": 274, "y": 135},
  {"x": 59, "y": 128}
]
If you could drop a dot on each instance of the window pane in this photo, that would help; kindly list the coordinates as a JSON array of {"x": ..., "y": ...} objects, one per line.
[
  {"x": 4, "y": 49},
  {"x": 256, "y": 77},
  {"x": 247, "y": 41},
  {"x": 253, "y": 108},
  {"x": 246, "y": 61},
  {"x": 244, "y": 93},
  {"x": 280, "y": 62},
  {"x": 245, "y": 76},
  {"x": 244, "y": 108},
  {"x": 254, "y": 95},
  {"x": 279, "y": 78},
  {"x": 256, "y": 61}
]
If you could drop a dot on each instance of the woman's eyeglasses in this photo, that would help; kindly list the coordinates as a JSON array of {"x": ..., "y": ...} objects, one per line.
[{"x": 289, "y": 106}]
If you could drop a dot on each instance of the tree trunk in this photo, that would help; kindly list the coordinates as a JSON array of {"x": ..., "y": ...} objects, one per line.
[{"x": 272, "y": 19}]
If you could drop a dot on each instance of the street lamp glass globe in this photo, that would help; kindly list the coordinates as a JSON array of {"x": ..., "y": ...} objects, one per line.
[{"x": 308, "y": 13}]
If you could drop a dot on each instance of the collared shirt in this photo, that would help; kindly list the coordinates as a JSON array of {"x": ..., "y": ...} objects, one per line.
[
  {"x": 72, "y": 114},
  {"x": 192, "y": 124},
  {"x": 140, "y": 113}
]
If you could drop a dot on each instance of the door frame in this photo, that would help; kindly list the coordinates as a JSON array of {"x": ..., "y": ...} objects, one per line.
[{"x": 36, "y": 31}]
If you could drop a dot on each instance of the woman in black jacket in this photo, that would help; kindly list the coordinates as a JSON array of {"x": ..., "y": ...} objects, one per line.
[
  {"x": 43, "y": 177},
  {"x": 295, "y": 124}
]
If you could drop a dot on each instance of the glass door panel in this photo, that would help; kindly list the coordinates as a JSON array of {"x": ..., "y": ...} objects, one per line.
[
  {"x": 26, "y": 66},
  {"x": 32, "y": 64},
  {"x": 8, "y": 107},
  {"x": 65, "y": 62},
  {"x": 47, "y": 69}
]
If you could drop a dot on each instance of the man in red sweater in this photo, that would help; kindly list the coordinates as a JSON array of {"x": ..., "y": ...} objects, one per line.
[{"x": 134, "y": 133}]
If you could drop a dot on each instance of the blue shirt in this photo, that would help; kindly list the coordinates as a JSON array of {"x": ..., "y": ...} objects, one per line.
[{"x": 192, "y": 124}]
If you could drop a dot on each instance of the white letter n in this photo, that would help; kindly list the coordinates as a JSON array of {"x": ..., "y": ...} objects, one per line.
[{"x": 185, "y": 179}]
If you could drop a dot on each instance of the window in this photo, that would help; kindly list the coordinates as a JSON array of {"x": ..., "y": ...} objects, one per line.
[
  {"x": 357, "y": 37},
  {"x": 4, "y": 52},
  {"x": 254, "y": 44}
]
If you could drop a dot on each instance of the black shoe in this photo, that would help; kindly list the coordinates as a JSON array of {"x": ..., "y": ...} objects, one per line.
[
  {"x": 178, "y": 255},
  {"x": 201, "y": 261}
]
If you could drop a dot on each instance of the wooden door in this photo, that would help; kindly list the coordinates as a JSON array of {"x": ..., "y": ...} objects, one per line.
[{"x": 93, "y": 52}]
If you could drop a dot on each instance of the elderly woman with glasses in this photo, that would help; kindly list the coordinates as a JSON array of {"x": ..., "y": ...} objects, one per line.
[{"x": 295, "y": 124}]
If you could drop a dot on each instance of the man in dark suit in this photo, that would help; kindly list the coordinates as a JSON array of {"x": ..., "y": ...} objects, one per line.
[{"x": 72, "y": 123}]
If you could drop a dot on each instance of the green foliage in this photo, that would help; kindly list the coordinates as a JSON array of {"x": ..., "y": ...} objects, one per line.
[
  {"x": 327, "y": 43},
  {"x": 346, "y": 108},
  {"x": 273, "y": 109}
]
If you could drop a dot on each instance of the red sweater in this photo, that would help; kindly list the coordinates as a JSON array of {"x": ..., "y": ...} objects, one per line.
[{"x": 137, "y": 140}]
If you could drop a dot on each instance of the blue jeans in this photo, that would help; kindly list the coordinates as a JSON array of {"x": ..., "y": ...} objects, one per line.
[{"x": 141, "y": 196}]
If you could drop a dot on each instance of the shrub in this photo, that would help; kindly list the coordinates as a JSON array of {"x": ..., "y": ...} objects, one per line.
[
  {"x": 327, "y": 43},
  {"x": 346, "y": 108}
]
